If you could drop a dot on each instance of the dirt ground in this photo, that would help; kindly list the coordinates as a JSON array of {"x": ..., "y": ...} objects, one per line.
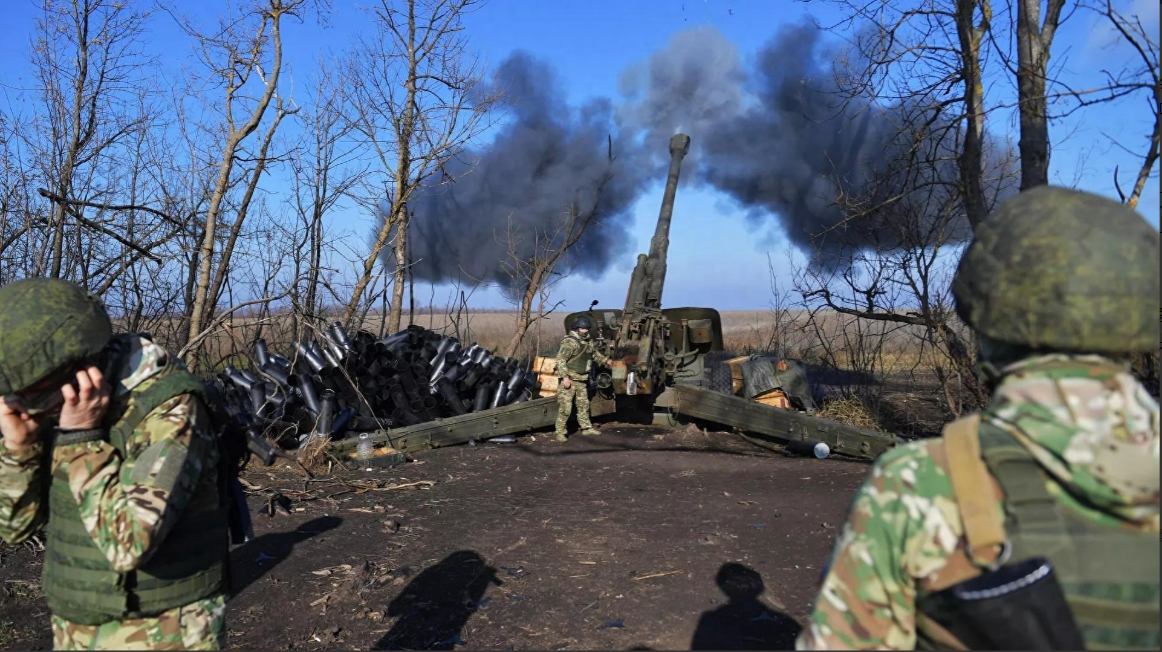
[{"x": 642, "y": 538}]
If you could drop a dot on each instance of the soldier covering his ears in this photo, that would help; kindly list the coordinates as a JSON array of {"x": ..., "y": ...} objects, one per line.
[
  {"x": 1061, "y": 468},
  {"x": 109, "y": 445},
  {"x": 574, "y": 359}
]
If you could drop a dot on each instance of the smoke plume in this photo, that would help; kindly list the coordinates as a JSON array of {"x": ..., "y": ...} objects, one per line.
[
  {"x": 771, "y": 134},
  {"x": 546, "y": 157},
  {"x": 786, "y": 148}
]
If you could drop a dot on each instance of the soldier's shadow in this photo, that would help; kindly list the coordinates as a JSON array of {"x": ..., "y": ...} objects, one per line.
[
  {"x": 743, "y": 623},
  {"x": 434, "y": 607},
  {"x": 257, "y": 557}
]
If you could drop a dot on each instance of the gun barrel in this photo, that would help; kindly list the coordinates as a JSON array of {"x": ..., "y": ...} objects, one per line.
[{"x": 649, "y": 276}]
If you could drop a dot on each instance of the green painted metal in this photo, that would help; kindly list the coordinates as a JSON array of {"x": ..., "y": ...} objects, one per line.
[
  {"x": 782, "y": 425},
  {"x": 474, "y": 426}
]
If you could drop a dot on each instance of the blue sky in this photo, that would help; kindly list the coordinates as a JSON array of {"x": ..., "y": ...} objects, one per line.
[{"x": 717, "y": 258}]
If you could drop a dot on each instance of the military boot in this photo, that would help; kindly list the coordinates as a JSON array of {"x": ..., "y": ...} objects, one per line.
[
  {"x": 592, "y": 432},
  {"x": 562, "y": 437}
]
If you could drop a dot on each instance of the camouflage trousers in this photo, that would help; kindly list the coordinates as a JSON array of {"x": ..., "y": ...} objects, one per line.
[
  {"x": 197, "y": 626},
  {"x": 578, "y": 391}
]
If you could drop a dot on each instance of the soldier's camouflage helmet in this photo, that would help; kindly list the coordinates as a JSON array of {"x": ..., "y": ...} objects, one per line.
[
  {"x": 582, "y": 322},
  {"x": 47, "y": 325},
  {"x": 1062, "y": 270}
]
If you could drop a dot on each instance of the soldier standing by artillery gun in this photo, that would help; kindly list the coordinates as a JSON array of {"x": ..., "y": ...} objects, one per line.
[
  {"x": 575, "y": 359},
  {"x": 108, "y": 441},
  {"x": 1034, "y": 523}
]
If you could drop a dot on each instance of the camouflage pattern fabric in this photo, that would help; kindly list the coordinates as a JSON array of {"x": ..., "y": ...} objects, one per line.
[
  {"x": 571, "y": 346},
  {"x": 47, "y": 324},
  {"x": 197, "y": 626},
  {"x": 565, "y": 398},
  {"x": 127, "y": 505},
  {"x": 1093, "y": 428}
]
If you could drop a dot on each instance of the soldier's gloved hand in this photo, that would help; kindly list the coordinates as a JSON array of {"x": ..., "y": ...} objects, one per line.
[
  {"x": 85, "y": 405},
  {"x": 566, "y": 382},
  {"x": 17, "y": 426}
]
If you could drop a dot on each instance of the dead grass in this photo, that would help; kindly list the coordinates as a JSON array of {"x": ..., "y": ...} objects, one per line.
[
  {"x": 851, "y": 411},
  {"x": 313, "y": 455}
]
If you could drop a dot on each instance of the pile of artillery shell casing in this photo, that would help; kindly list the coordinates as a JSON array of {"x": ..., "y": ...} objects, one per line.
[{"x": 345, "y": 385}]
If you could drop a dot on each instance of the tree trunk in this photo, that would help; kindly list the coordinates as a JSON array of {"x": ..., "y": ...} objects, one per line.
[
  {"x": 411, "y": 285},
  {"x": 524, "y": 314},
  {"x": 403, "y": 188},
  {"x": 243, "y": 208},
  {"x": 1033, "y": 43},
  {"x": 65, "y": 183},
  {"x": 401, "y": 268},
  {"x": 970, "y": 159},
  {"x": 206, "y": 250},
  {"x": 961, "y": 357},
  {"x": 201, "y": 311}
]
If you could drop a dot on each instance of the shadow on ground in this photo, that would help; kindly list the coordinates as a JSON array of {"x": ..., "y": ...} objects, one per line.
[
  {"x": 254, "y": 559},
  {"x": 743, "y": 623},
  {"x": 434, "y": 607}
]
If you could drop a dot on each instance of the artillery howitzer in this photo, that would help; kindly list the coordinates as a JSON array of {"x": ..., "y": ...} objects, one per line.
[
  {"x": 651, "y": 348},
  {"x": 657, "y": 370}
]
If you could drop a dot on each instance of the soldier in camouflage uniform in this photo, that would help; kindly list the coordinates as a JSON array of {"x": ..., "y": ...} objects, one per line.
[
  {"x": 1064, "y": 462},
  {"x": 108, "y": 444},
  {"x": 574, "y": 359}
]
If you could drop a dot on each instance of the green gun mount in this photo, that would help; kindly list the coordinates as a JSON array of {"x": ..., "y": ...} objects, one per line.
[{"x": 650, "y": 348}]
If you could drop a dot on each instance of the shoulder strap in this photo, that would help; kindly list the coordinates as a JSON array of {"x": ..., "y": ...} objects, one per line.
[
  {"x": 580, "y": 348},
  {"x": 1027, "y": 500},
  {"x": 971, "y": 482},
  {"x": 170, "y": 383}
]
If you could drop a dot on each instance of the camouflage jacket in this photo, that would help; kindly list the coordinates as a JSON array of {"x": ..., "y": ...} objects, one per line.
[
  {"x": 573, "y": 345},
  {"x": 127, "y": 510},
  {"x": 904, "y": 534}
]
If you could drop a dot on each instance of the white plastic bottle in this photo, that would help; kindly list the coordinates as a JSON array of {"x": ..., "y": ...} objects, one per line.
[{"x": 365, "y": 449}]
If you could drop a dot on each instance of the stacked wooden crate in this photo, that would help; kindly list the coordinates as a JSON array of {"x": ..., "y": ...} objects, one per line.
[{"x": 546, "y": 371}]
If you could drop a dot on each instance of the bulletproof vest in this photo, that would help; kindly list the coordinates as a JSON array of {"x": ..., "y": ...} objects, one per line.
[
  {"x": 578, "y": 363},
  {"x": 1109, "y": 574},
  {"x": 79, "y": 582}
]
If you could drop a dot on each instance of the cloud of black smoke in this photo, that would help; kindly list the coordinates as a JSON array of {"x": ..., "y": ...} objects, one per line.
[
  {"x": 773, "y": 136},
  {"x": 789, "y": 148},
  {"x": 547, "y": 155}
]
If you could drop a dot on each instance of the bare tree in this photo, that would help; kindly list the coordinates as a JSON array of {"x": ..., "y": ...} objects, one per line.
[
  {"x": 912, "y": 217},
  {"x": 325, "y": 170},
  {"x": 418, "y": 99},
  {"x": 1034, "y": 40},
  {"x": 532, "y": 272},
  {"x": 84, "y": 58},
  {"x": 236, "y": 59},
  {"x": 1144, "y": 74},
  {"x": 928, "y": 54}
]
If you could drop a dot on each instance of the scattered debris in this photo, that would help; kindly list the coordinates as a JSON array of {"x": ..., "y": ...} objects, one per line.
[
  {"x": 422, "y": 484},
  {"x": 614, "y": 624},
  {"x": 514, "y": 572},
  {"x": 653, "y": 575},
  {"x": 278, "y": 503}
]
